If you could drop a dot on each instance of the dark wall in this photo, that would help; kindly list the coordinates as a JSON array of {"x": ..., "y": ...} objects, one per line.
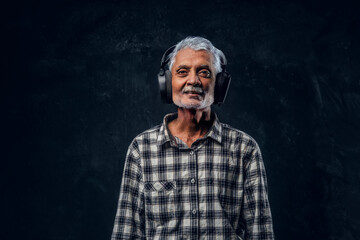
[{"x": 80, "y": 83}]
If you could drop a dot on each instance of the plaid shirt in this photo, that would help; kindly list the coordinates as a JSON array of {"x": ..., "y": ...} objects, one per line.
[{"x": 216, "y": 189}]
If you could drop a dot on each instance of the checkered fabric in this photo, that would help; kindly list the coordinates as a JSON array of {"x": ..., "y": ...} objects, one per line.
[{"x": 217, "y": 189}]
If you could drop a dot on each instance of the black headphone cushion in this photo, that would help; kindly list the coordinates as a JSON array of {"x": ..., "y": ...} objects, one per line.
[
  {"x": 221, "y": 87},
  {"x": 168, "y": 86}
]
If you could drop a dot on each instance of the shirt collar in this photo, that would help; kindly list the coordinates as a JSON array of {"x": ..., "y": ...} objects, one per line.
[
  {"x": 164, "y": 133},
  {"x": 165, "y": 136}
]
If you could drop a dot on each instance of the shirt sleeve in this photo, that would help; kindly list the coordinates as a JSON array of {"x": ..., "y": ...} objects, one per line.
[
  {"x": 256, "y": 212},
  {"x": 130, "y": 219}
]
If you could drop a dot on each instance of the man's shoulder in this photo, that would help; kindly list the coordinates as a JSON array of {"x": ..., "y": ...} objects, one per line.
[
  {"x": 148, "y": 134},
  {"x": 230, "y": 132}
]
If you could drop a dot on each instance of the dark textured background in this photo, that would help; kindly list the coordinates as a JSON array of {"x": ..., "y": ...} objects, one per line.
[{"x": 80, "y": 83}]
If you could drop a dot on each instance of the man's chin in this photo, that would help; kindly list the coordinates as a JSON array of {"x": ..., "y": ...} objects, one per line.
[
  {"x": 193, "y": 105},
  {"x": 189, "y": 105}
]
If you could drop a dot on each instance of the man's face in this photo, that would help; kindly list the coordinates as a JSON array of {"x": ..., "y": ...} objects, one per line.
[{"x": 193, "y": 79}]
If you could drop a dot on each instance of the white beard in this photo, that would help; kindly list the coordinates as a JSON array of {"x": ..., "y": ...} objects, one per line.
[{"x": 206, "y": 102}]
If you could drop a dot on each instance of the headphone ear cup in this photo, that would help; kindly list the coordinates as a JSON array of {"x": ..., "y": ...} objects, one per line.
[
  {"x": 168, "y": 87},
  {"x": 164, "y": 77},
  {"x": 162, "y": 84},
  {"x": 221, "y": 87}
]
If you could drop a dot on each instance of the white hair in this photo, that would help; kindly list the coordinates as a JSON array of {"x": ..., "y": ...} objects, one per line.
[{"x": 198, "y": 43}]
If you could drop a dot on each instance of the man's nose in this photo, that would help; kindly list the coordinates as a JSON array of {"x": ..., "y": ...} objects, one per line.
[{"x": 194, "y": 79}]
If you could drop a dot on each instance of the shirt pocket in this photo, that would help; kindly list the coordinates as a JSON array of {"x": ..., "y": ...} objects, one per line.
[{"x": 161, "y": 201}]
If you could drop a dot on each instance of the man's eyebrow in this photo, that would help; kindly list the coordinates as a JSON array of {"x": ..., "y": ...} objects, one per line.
[
  {"x": 187, "y": 67},
  {"x": 203, "y": 66},
  {"x": 183, "y": 66}
]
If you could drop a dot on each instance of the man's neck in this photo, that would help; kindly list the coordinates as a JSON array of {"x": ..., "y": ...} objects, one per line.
[{"x": 191, "y": 124}]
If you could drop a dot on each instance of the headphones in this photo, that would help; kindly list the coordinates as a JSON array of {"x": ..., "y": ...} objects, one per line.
[{"x": 222, "y": 81}]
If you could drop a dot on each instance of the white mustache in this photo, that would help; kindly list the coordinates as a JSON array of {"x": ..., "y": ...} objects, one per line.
[{"x": 193, "y": 89}]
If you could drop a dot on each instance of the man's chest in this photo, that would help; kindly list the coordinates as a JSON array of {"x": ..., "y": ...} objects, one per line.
[
  {"x": 183, "y": 185},
  {"x": 206, "y": 165}
]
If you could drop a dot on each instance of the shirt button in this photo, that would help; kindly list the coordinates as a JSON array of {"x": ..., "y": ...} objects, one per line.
[
  {"x": 193, "y": 180},
  {"x": 194, "y": 211},
  {"x": 192, "y": 153}
]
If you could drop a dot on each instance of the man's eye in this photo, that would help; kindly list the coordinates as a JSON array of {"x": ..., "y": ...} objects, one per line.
[
  {"x": 182, "y": 72},
  {"x": 205, "y": 73}
]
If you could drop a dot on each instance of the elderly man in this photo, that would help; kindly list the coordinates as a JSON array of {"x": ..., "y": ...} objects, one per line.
[{"x": 193, "y": 177}]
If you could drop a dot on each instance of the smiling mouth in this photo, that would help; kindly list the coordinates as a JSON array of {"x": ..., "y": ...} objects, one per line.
[
  {"x": 192, "y": 90},
  {"x": 197, "y": 93}
]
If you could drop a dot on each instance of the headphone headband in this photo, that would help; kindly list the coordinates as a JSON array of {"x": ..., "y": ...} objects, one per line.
[{"x": 165, "y": 58}]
